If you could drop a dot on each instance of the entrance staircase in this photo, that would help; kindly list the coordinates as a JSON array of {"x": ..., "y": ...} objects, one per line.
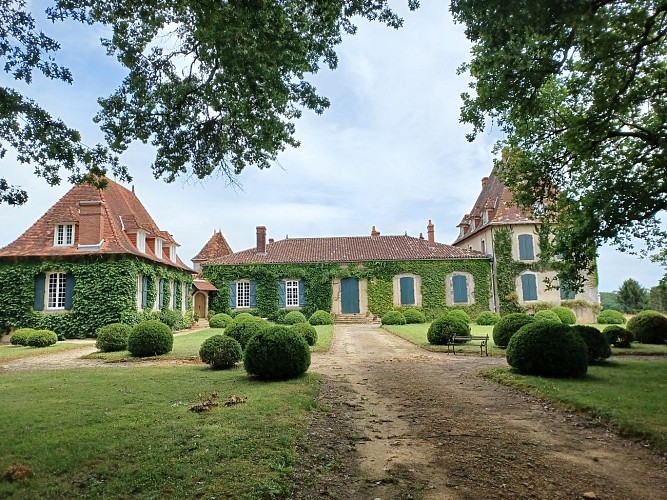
[{"x": 355, "y": 319}]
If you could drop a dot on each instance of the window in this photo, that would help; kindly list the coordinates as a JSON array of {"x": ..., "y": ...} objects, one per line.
[
  {"x": 526, "y": 251},
  {"x": 242, "y": 294},
  {"x": 172, "y": 253},
  {"x": 291, "y": 293},
  {"x": 407, "y": 286},
  {"x": 460, "y": 287},
  {"x": 172, "y": 294},
  {"x": 140, "y": 291},
  {"x": 141, "y": 241},
  {"x": 56, "y": 291},
  {"x": 63, "y": 235},
  {"x": 484, "y": 247},
  {"x": 566, "y": 294},
  {"x": 144, "y": 291},
  {"x": 158, "y": 248},
  {"x": 184, "y": 297},
  {"x": 529, "y": 286}
]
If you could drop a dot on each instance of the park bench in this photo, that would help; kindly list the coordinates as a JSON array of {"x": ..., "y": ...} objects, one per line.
[{"x": 460, "y": 339}]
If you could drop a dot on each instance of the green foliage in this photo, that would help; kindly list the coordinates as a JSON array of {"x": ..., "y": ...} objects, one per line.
[
  {"x": 619, "y": 336},
  {"x": 210, "y": 314},
  {"x": 632, "y": 296},
  {"x": 243, "y": 328},
  {"x": 460, "y": 314},
  {"x": 393, "y": 318},
  {"x": 610, "y": 317},
  {"x": 276, "y": 353},
  {"x": 445, "y": 327},
  {"x": 220, "y": 320},
  {"x": 547, "y": 315},
  {"x": 113, "y": 337},
  {"x": 308, "y": 332},
  {"x": 649, "y": 327},
  {"x": 507, "y": 326},
  {"x": 548, "y": 349},
  {"x": 596, "y": 342},
  {"x": 221, "y": 352},
  {"x": 609, "y": 300},
  {"x": 173, "y": 319},
  {"x": 150, "y": 338},
  {"x": 487, "y": 318},
  {"x": 21, "y": 336},
  {"x": 294, "y": 317},
  {"x": 320, "y": 318},
  {"x": 658, "y": 297},
  {"x": 42, "y": 338},
  {"x": 413, "y": 316},
  {"x": 565, "y": 314}
]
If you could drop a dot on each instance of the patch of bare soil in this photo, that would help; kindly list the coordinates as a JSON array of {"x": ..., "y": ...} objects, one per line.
[{"x": 400, "y": 422}]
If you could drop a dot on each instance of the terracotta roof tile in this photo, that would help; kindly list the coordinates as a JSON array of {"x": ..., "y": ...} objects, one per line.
[
  {"x": 204, "y": 286},
  {"x": 216, "y": 247}
]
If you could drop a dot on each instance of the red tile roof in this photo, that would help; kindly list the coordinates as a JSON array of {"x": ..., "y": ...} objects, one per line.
[
  {"x": 121, "y": 211},
  {"x": 347, "y": 249},
  {"x": 204, "y": 286},
  {"x": 217, "y": 246}
]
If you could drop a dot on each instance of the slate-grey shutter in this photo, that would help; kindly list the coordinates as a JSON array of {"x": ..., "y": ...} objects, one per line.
[
  {"x": 302, "y": 293},
  {"x": 232, "y": 294},
  {"x": 69, "y": 291},
  {"x": 144, "y": 293},
  {"x": 40, "y": 283},
  {"x": 281, "y": 294},
  {"x": 529, "y": 286},
  {"x": 460, "y": 289},
  {"x": 160, "y": 293},
  {"x": 253, "y": 294},
  {"x": 526, "y": 247}
]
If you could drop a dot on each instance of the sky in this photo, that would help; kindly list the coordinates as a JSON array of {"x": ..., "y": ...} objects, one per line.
[{"x": 390, "y": 152}]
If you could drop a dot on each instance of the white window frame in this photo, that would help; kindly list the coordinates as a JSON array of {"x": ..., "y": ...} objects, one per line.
[
  {"x": 63, "y": 235},
  {"x": 55, "y": 291},
  {"x": 171, "y": 294},
  {"x": 140, "y": 291},
  {"x": 291, "y": 293},
  {"x": 242, "y": 295},
  {"x": 172, "y": 253},
  {"x": 141, "y": 241},
  {"x": 158, "y": 248}
]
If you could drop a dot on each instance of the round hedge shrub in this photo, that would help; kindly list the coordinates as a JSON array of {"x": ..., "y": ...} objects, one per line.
[
  {"x": 42, "y": 338},
  {"x": 150, "y": 338},
  {"x": 294, "y": 317},
  {"x": 113, "y": 337},
  {"x": 611, "y": 317},
  {"x": 547, "y": 315},
  {"x": 170, "y": 317},
  {"x": 276, "y": 353},
  {"x": 486, "y": 318},
  {"x": 221, "y": 352},
  {"x": 220, "y": 320},
  {"x": 20, "y": 336},
  {"x": 445, "y": 327},
  {"x": 459, "y": 313},
  {"x": 596, "y": 341},
  {"x": 649, "y": 327},
  {"x": 507, "y": 326},
  {"x": 243, "y": 328},
  {"x": 619, "y": 336},
  {"x": 393, "y": 318},
  {"x": 211, "y": 313},
  {"x": 241, "y": 315},
  {"x": 307, "y": 331},
  {"x": 548, "y": 349},
  {"x": 565, "y": 314},
  {"x": 320, "y": 318},
  {"x": 414, "y": 316}
]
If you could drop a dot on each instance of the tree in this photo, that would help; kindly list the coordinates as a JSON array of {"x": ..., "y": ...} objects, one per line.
[
  {"x": 657, "y": 299},
  {"x": 579, "y": 88},
  {"x": 632, "y": 297},
  {"x": 609, "y": 300},
  {"x": 215, "y": 86}
]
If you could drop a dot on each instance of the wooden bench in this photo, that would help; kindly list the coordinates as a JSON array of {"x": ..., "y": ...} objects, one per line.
[{"x": 459, "y": 339}]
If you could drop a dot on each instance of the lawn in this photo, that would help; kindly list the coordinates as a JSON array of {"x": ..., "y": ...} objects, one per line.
[
  {"x": 11, "y": 352},
  {"x": 129, "y": 433},
  {"x": 627, "y": 393},
  {"x": 416, "y": 333}
]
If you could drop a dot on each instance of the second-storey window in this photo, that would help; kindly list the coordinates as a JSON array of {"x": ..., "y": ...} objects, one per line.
[
  {"x": 64, "y": 235},
  {"x": 158, "y": 248},
  {"x": 141, "y": 241},
  {"x": 56, "y": 290}
]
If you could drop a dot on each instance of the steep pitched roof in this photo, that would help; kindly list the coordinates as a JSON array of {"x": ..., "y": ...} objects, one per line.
[
  {"x": 121, "y": 211},
  {"x": 217, "y": 246},
  {"x": 347, "y": 249}
]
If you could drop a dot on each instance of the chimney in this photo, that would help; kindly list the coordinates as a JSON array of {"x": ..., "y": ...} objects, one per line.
[
  {"x": 91, "y": 222},
  {"x": 261, "y": 239},
  {"x": 271, "y": 240},
  {"x": 431, "y": 233},
  {"x": 374, "y": 233},
  {"x": 484, "y": 181}
]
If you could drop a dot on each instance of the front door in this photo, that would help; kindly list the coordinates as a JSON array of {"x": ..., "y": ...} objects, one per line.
[
  {"x": 200, "y": 304},
  {"x": 349, "y": 291}
]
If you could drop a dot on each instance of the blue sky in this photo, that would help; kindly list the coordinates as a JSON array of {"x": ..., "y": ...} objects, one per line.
[{"x": 389, "y": 152}]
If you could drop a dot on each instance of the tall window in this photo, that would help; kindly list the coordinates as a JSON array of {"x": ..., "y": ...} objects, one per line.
[
  {"x": 484, "y": 247},
  {"x": 64, "y": 235},
  {"x": 56, "y": 291},
  {"x": 158, "y": 248},
  {"x": 242, "y": 294},
  {"x": 141, "y": 241},
  {"x": 566, "y": 294},
  {"x": 526, "y": 251},
  {"x": 291, "y": 293},
  {"x": 140, "y": 290},
  {"x": 172, "y": 253}
]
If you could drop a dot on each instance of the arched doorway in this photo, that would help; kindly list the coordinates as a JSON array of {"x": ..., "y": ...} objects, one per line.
[{"x": 201, "y": 304}]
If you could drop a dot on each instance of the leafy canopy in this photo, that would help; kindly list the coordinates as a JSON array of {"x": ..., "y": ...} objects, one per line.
[{"x": 579, "y": 88}]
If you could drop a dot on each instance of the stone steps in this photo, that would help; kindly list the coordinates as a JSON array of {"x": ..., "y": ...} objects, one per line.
[{"x": 354, "y": 319}]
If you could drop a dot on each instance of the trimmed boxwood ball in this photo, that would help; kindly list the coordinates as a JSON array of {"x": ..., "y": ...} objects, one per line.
[
  {"x": 611, "y": 317},
  {"x": 113, "y": 337},
  {"x": 294, "y": 317},
  {"x": 459, "y": 313},
  {"x": 276, "y": 353},
  {"x": 649, "y": 327},
  {"x": 320, "y": 317},
  {"x": 20, "y": 336},
  {"x": 414, "y": 316},
  {"x": 596, "y": 341},
  {"x": 220, "y": 320},
  {"x": 211, "y": 313},
  {"x": 619, "y": 336},
  {"x": 241, "y": 315},
  {"x": 244, "y": 327},
  {"x": 150, "y": 338},
  {"x": 307, "y": 331},
  {"x": 445, "y": 327},
  {"x": 486, "y": 318},
  {"x": 565, "y": 314},
  {"x": 507, "y": 326},
  {"x": 221, "y": 352},
  {"x": 547, "y": 315},
  {"x": 548, "y": 349},
  {"x": 393, "y": 318},
  {"x": 42, "y": 338}
]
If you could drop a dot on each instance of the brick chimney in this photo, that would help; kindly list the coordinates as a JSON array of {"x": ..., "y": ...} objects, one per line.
[
  {"x": 374, "y": 233},
  {"x": 261, "y": 239},
  {"x": 484, "y": 181},
  {"x": 431, "y": 233},
  {"x": 91, "y": 222}
]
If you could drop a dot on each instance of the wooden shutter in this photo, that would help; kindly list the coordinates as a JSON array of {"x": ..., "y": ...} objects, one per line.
[
  {"x": 407, "y": 286},
  {"x": 460, "y": 284},
  {"x": 282, "y": 302},
  {"x": 144, "y": 293},
  {"x": 69, "y": 291},
  {"x": 526, "y": 247},
  {"x": 232, "y": 294},
  {"x": 253, "y": 294},
  {"x": 302, "y": 293},
  {"x": 40, "y": 283},
  {"x": 529, "y": 286}
]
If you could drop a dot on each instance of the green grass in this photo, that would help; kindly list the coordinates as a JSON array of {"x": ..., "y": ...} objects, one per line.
[
  {"x": 637, "y": 349},
  {"x": 627, "y": 393},
  {"x": 11, "y": 352},
  {"x": 416, "y": 333},
  {"x": 129, "y": 433},
  {"x": 324, "y": 337}
]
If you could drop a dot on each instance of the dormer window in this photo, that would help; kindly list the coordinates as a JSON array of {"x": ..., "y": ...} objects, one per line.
[
  {"x": 63, "y": 235},
  {"x": 172, "y": 253},
  {"x": 158, "y": 248},
  {"x": 141, "y": 241}
]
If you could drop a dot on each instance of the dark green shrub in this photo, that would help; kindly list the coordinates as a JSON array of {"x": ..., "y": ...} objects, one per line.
[
  {"x": 548, "y": 349},
  {"x": 414, "y": 316},
  {"x": 276, "y": 353},
  {"x": 596, "y": 342},
  {"x": 244, "y": 327},
  {"x": 42, "y": 338},
  {"x": 611, "y": 317},
  {"x": 460, "y": 314},
  {"x": 321, "y": 318},
  {"x": 221, "y": 352},
  {"x": 445, "y": 327},
  {"x": 20, "y": 336},
  {"x": 307, "y": 331},
  {"x": 245, "y": 313},
  {"x": 649, "y": 327},
  {"x": 565, "y": 314},
  {"x": 221, "y": 320},
  {"x": 294, "y": 317},
  {"x": 241, "y": 315},
  {"x": 619, "y": 336},
  {"x": 393, "y": 318},
  {"x": 150, "y": 338},
  {"x": 113, "y": 337},
  {"x": 212, "y": 313},
  {"x": 171, "y": 318},
  {"x": 487, "y": 318},
  {"x": 547, "y": 315},
  {"x": 507, "y": 326}
]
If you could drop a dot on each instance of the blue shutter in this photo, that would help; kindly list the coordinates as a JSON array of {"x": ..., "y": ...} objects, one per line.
[
  {"x": 529, "y": 286},
  {"x": 253, "y": 293},
  {"x": 69, "y": 291},
  {"x": 40, "y": 283},
  {"x": 232, "y": 294},
  {"x": 302, "y": 293},
  {"x": 526, "y": 247},
  {"x": 281, "y": 294},
  {"x": 177, "y": 285},
  {"x": 161, "y": 293},
  {"x": 144, "y": 293},
  {"x": 460, "y": 284},
  {"x": 407, "y": 286}
]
